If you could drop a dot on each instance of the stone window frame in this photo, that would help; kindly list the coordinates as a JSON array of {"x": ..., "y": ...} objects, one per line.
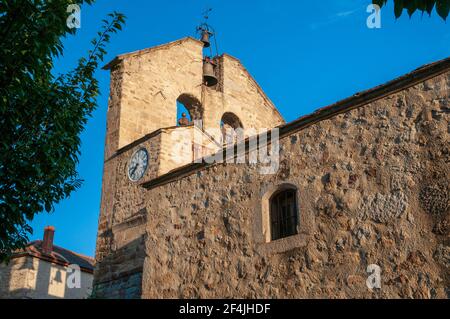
[
  {"x": 290, "y": 218},
  {"x": 265, "y": 244},
  {"x": 266, "y": 216}
]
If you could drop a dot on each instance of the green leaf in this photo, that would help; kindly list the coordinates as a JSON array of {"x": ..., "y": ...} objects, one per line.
[
  {"x": 398, "y": 8},
  {"x": 442, "y": 8},
  {"x": 429, "y": 6}
]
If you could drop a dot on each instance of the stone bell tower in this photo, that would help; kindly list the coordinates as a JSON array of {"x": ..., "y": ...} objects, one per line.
[
  {"x": 146, "y": 84},
  {"x": 142, "y": 131}
]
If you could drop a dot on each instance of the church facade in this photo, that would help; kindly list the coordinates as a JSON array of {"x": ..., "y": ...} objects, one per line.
[{"x": 361, "y": 184}]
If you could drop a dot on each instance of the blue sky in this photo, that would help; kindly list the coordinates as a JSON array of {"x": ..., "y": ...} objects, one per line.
[{"x": 304, "y": 54}]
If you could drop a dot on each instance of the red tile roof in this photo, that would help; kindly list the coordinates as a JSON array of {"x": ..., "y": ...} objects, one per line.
[{"x": 59, "y": 255}]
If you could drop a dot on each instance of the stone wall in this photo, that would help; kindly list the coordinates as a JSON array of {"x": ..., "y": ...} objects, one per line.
[
  {"x": 121, "y": 229},
  {"x": 182, "y": 145},
  {"x": 372, "y": 187},
  {"x": 125, "y": 287},
  {"x": 240, "y": 95},
  {"x": 13, "y": 278},
  {"x": 121, "y": 199},
  {"x": 122, "y": 224}
]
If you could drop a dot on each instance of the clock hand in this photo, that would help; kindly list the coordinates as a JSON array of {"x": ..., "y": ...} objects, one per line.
[{"x": 134, "y": 169}]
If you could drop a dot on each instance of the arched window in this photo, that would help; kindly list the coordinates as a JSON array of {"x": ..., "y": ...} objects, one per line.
[
  {"x": 190, "y": 105},
  {"x": 183, "y": 116},
  {"x": 231, "y": 120},
  {"x": 229, "y": 124},
  {"x": 283, "y": 214}
]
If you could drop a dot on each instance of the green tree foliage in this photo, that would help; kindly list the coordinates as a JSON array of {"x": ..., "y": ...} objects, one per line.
[
  {"x": 411, "y": 6},
  {"x": 41, "y": 115}
]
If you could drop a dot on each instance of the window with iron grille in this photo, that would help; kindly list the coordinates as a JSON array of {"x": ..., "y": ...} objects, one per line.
[{"x": 283, "y": 214}]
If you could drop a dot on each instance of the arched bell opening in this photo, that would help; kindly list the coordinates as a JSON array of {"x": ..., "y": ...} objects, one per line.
[
  {"x": 183, "y": 116},
  {"x": 232, "y": 128},
  {"x": 192, "y": 109}
]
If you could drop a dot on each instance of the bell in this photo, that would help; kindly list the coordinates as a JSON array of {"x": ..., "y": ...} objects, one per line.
[
  {"x": 208, "y": 73},
  {"x": 205, "y": 39}
]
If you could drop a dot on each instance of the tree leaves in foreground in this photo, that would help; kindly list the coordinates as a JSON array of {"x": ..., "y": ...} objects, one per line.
[
  {"x": 41, "y": 116},
  {"x": 411, "y": 6}
]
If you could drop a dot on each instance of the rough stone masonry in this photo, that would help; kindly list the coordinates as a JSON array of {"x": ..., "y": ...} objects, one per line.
[{"x": 370, "y": 173}]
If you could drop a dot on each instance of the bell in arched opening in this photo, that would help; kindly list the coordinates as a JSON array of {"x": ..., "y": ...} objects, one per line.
[{"x": 209, "y": 77}]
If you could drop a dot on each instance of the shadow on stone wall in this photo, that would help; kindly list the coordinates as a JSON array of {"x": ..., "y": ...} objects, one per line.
[
  {"x": 119, "y": 274},
  {"x": 19, "y": 284}
]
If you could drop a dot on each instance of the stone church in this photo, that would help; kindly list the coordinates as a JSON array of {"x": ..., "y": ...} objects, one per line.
[{"x": 361, "y": 183}]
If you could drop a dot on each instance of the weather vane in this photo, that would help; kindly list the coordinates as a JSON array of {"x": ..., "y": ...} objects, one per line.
[
  {"x": 206, "y": 32},
  {"x": 206, "y": 14}
]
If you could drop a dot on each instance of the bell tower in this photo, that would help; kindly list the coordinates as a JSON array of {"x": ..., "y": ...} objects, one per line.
[
  {"x": 145, "y": 140},
  {"x": 145, "y": 86}
]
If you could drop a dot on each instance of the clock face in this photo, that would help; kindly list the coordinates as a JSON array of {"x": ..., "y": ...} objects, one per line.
[{"x": 138, "y": 165}]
